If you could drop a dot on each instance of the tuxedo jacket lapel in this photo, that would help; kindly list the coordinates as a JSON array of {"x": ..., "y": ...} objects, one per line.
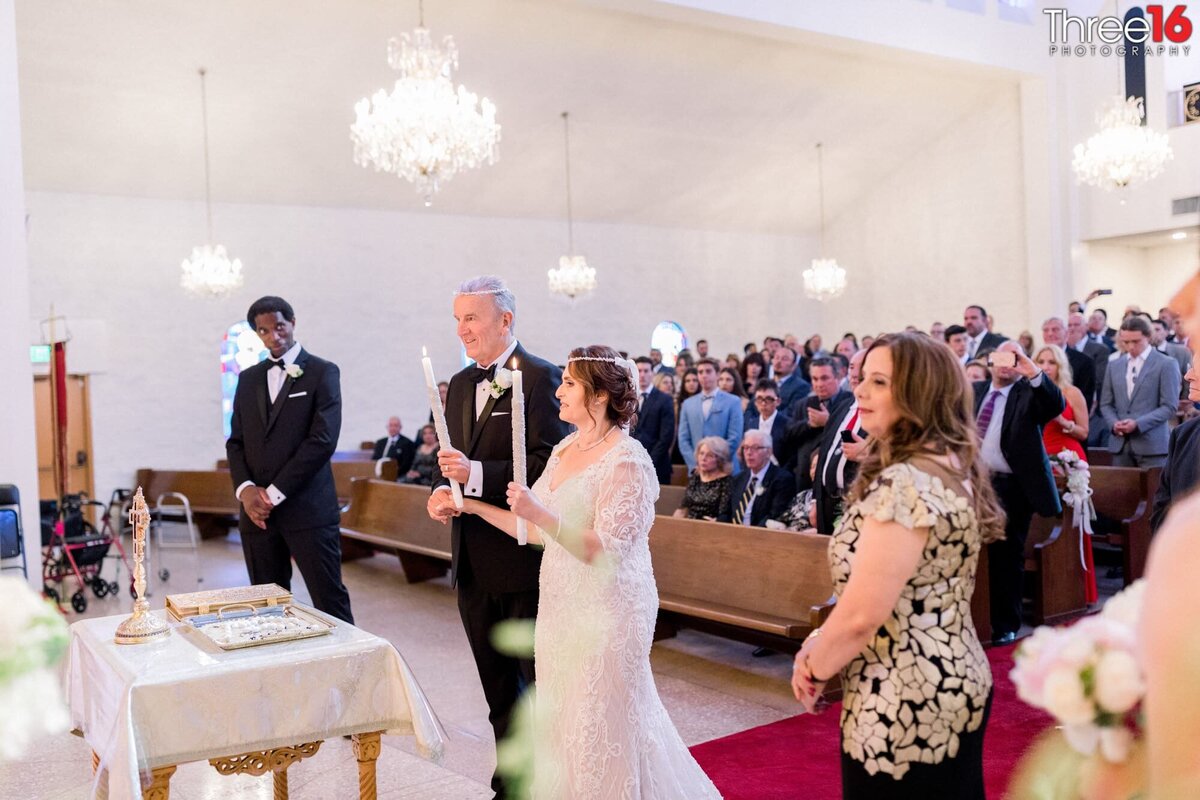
[
  {"x": 262, "y": 393},
  {"x": 281, "y": 398}
]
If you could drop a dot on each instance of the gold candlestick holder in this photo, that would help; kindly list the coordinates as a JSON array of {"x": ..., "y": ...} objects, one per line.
[{"x": 142, "y": 626}]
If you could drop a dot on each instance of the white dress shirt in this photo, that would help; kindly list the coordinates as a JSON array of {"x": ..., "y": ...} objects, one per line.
[
  {"x": 276, "y": 377},
  {"x": 765, "y": 423},
  {"x": 474, "y": 484},
  {"x": 1133, "y": 369},
  {"x": 993, "y": 456}
]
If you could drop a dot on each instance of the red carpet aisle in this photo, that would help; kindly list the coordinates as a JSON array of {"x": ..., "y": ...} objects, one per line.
[{"x": 800, "y": 757}]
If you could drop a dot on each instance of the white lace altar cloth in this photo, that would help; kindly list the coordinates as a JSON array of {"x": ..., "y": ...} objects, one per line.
[{"x": 184, "y": 699}]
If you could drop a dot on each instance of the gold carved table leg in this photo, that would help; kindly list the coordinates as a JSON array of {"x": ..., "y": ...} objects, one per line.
[
  {"x": 160, "y": 784},
  {"x": 102, "y": 783},
  {"x": 366, "y": 750},
  {"x": 274, "y": 761}
]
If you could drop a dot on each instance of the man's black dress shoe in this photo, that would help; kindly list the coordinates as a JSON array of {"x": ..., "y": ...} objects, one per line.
[{"x": 1004, "y": 638}]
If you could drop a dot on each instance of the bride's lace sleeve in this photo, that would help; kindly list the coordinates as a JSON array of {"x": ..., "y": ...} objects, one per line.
[{"x": 625, "y": 502}]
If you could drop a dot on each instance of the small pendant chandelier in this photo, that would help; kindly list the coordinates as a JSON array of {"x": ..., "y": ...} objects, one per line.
[
  {"x": 209, "y": 272},
  {"x": 824, "y": 280},
  {"x": 573, "y": 277}
]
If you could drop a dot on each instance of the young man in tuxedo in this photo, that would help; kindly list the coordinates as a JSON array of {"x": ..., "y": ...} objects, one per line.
[
  {"x": 764, "y": 415},
  {"x": 496, "y": 578},
  {"x": 655, "y": 427},
  {"x": 397, "y": 447},
  {"x": 1010, "y": 413},
  {"x": 287, "y": 414}
]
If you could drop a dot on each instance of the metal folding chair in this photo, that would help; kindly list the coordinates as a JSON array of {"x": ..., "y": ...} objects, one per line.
[{"x": 174, "y": 507}]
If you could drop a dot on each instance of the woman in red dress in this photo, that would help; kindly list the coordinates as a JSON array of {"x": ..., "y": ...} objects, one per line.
[{"x": 1069, "y": 431}]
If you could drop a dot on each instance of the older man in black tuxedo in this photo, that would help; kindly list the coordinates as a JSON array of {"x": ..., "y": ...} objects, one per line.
[
  {"x": 655, "y": 427},
  {"x": 287, "y": 414},
  {"x": 497, "y": 579},
  {"x": 1011, "y": 412}
]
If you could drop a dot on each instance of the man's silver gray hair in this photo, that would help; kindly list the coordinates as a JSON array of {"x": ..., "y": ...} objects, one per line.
[
  {"x": 762, "y": 436},
  {"x": 494, "y": 286},
  {"x": 1057, "y": 319}
]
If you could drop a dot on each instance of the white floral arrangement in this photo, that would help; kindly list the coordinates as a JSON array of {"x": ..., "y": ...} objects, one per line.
[
  {"x": 33, "y": 638},
  {"x": 1088, "y": 677},
  {"x": 501, "y": 383},
  {"x": 293, "y": 371},
  {"x": 1079, "y": 487}
]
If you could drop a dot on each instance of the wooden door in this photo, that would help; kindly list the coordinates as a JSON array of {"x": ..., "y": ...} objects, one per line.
[{"x": 79, "y": 437}]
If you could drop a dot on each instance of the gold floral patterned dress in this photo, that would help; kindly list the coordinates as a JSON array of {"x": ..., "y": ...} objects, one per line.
[{"x": 919, "y": 692}]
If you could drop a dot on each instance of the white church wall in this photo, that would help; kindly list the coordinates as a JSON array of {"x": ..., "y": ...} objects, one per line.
[{"x": 369, "y": 288}]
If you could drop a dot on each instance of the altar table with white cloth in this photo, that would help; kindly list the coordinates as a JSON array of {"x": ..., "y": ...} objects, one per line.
[{"x": 180, "y": 699}]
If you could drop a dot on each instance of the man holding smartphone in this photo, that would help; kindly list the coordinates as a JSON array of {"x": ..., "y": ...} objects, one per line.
[{"x": 1010, "y": 412}]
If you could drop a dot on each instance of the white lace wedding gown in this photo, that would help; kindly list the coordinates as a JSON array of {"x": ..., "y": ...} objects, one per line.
[{"x": 602, "y": 731}]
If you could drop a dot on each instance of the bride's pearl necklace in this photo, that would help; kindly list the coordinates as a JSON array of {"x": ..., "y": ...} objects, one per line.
[{"x": 597, "y": 443}]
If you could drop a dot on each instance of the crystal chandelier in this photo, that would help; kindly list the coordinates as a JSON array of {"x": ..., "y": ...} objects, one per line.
[
  {"x": 1124, "y": 150},
  {"x": 209, "y": 272},
  {"x": 824, "y": 280},
  {"x": 425, "y": 131},
  {"x": 573, "y": 277}
]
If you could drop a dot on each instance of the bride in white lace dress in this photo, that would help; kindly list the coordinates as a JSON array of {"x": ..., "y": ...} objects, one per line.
[{"x": 601, "y": 729}]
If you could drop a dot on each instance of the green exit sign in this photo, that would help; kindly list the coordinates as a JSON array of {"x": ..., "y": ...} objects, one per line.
[{"x": 39, "y": 353}]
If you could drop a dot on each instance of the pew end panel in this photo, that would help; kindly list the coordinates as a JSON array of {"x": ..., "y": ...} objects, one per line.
[{"x": 1053, "y": 569}]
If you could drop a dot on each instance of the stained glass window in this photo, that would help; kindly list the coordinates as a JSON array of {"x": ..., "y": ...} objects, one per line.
[
  {"x": 241, "y": 348},
  {"x": 669, "y": 338}
]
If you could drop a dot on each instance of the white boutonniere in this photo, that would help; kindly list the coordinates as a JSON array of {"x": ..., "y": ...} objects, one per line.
[
  {"x": 759, "y": 490},
  {"x": 293, "y": 371},
  {"x": 501, "y": 383}
]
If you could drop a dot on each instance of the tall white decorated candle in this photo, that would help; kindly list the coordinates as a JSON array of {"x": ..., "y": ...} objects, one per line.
[
  {"x": 439, "y": 420},
  {"x": 518, "y": 443}
]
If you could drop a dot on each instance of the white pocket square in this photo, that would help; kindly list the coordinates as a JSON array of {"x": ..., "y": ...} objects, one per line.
[
  {"x": 297, "y": 394},
  {"x": 500, "y": 413}
]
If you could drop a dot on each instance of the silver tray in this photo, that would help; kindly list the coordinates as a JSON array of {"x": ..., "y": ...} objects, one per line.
[{"x": 226, "y": 613}]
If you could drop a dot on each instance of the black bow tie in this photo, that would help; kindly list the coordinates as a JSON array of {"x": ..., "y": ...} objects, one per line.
[
  {"x": 275, "y": 363},
  {"x": 481, "y": 375}
]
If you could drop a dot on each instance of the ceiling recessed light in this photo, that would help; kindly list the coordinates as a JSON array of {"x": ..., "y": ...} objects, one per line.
[{"x": 1177, "y": 235}]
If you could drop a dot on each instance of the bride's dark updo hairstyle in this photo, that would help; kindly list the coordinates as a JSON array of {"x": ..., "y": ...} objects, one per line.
[{"x": 608, "y": 377}]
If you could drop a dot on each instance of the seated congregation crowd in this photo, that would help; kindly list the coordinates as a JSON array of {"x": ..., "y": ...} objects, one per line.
[{"x": 772, "y": 438}]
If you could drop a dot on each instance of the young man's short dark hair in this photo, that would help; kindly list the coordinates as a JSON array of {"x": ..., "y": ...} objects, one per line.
[
  {"x": 269, "y": 305},
  {"x": 716, "y": 365},
  {"x": 1136, "y": 323},
  {"x": 766, "y": 385},
  {"x": 643, "y": 360},
  {"x": 953, "y": 330}
]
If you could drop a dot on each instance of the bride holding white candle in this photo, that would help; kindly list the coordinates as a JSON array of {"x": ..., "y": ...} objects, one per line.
[{"x": 601, "y": 730}]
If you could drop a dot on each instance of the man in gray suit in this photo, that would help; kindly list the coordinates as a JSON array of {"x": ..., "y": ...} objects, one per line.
[{"x": 1139, "y": 399}]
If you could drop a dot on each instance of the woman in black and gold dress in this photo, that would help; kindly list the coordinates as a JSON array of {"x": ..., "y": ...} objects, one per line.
[{"x": 917, "y": 686}]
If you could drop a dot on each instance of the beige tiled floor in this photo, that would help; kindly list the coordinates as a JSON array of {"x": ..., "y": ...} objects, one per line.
[{"x": 711, "y": 687}]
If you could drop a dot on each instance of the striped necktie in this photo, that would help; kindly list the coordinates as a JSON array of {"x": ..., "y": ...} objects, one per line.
[
  {"x": 747, "y": 496},
  {"x": 985, "y": 414}
]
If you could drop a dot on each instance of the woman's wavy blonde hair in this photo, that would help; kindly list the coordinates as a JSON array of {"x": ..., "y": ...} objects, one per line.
[{"x": 936, "y": 415}]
